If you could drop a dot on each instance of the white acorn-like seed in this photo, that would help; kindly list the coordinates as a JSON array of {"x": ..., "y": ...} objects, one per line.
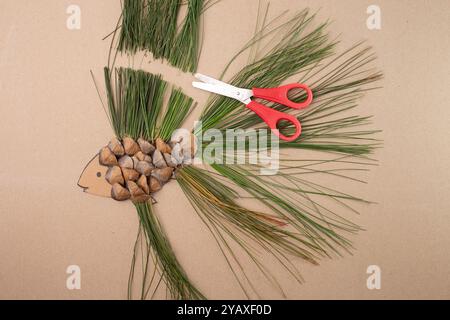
[
  {"x": 135, "y": 162},
  {"x": 142, "y": 183},
  {"x": 154, "y": 184},
  {"x": 168, "y": 159},
  {"x": 114, "y": 175},
  {"x": 177, "y": 153},
  {"x": 137, "y": 194},
  {"x": 131, "y": 147},
  {"x": 148, "y": 159},
  {"x": 186, "y": 140},
  {"x": 144, "y": 168},
  {"x": 130, "y": 174},
  {"x": 107, "y": 157},
  {"x": 146, "y": 147},
  {"x": 126, "y": 162},
  {"x": 162, "y": 146},
  {"x": 140, "y": 155},
  {"x": 158, "y": 159},
  {"x": 116, "y": 147},
  {"x": 119, "y": 193},
  {"x": 163, "y": 175}
]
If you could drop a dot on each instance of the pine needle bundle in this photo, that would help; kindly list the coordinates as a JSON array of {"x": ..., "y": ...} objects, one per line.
[
  {"x": 152, "y": 25},
  {"x": 160, "y": 27},
  {"x": 186, "y": 48},
  {"x": 131, "y": 34},
  {"x": 135, "y": 102}
]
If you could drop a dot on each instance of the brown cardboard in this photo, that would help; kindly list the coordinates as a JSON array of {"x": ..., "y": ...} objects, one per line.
[
  {"x": 92, "y": 179},
  {"x": 52, "y": 123}
]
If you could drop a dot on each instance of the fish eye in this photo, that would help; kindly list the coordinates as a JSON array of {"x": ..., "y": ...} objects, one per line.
[{"x": 99, "y": 174}]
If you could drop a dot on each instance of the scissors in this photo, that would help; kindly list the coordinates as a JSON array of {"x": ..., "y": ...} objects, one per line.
[{"x": 270, "y": 116}]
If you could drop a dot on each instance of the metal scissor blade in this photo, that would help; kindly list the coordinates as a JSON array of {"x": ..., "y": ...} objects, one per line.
[
  {"x": 209, "y": 80},
  {"x": 222, "y": 88},
  {"x": 219, "y": 89},
  {"x": 216, "y": 82}
]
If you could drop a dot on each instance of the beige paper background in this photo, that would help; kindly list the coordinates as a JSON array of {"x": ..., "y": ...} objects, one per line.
[{"x": 52, "y": 123}]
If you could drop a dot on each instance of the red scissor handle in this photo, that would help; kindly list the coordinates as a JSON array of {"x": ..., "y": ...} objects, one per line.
[
  {"x": 272, "y": 117},
  {"x": 280, "y": 95}
]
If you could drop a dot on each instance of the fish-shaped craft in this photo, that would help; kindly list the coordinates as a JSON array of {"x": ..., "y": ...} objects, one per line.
[{"x": 135, "y": 169}]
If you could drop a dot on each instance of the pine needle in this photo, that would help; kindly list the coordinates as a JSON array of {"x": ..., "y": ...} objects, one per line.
[
  {"x": 160, "y": 25},
  {"x": 132, "y": 26},
  {"x": 293, "y": 48},
  {"x": 176, "y": 279},
  {"x": 151, "y": 25},
  {"x": 135, "y": 103},
  {"x": 186, "y": 49},
  {"x": 178, "y": 109}
]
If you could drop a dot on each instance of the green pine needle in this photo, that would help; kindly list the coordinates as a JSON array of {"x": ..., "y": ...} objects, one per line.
[
  {"x": 178, "y": 109},
  {"x": 132, "y": 22},
  {"x": 186, "y": 48},
  {"x": 168, "y": 266},
  {"x": 136, "y": 105},
  {"x": 160, "y": 27},
  {"x": 151, "y": 25}
]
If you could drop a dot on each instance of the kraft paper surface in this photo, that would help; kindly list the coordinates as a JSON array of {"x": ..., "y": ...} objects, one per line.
[{"x": 53, "y": 123}]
